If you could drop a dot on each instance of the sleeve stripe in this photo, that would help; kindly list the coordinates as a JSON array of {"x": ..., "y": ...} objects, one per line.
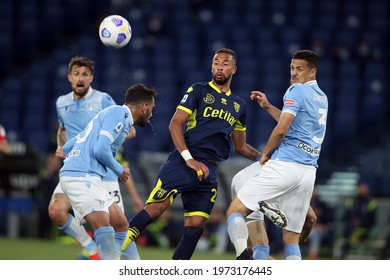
[
  {"x": 184, "y": 109},
  {"x": 106, "y": 133},
  {"x": 289, "y": 111}
]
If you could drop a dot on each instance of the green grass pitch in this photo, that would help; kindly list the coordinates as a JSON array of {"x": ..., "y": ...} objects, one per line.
[{"x": 37, "y": 249}]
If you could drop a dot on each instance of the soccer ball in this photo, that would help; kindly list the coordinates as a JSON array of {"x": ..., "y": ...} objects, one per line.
[{"x": 115, "y": 31}]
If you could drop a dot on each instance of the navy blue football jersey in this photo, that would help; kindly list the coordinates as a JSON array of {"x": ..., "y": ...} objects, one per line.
[{"x": 213, "y": 117}]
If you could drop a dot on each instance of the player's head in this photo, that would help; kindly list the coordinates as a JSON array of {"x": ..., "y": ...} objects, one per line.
[
  {"x": 303, "y": 67},
  {"x": 141, "y": 101},
  {"x": 80, "y": 75},
  {"x": 81, "y": 61},
  {"x": 224, "y": 66}
]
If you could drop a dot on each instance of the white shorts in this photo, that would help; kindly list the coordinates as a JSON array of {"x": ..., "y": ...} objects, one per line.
[
  {"x": 240, "y": 179},
  {"x": 57, "y": 189},
  {"x": 112, "y": 188},
  {"x": 286, "y": 185},
  {"x": 86, "y": 195}
]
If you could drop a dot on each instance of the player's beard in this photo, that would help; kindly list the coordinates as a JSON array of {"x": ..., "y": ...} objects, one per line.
[
  {"x": 220, "y": 81},
  {"x": 143, "y": 120},
  {"x": 81, "y": 94}
]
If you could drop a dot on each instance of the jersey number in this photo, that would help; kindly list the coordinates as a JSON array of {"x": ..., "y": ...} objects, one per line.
[
  {"x": 321, "y": 121},
  {"x": 213, "y": 198}
]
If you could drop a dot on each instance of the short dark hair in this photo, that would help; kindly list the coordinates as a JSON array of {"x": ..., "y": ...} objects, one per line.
[
  {"x": 310, "y": 57},
  {"x": 81, "y": 61},
  {"x": 228, "y": 51},
  {"x": 139, "y": 93}
]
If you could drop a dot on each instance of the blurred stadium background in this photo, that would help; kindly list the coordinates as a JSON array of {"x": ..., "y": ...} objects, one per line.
[{"x": 172, "y": 45}]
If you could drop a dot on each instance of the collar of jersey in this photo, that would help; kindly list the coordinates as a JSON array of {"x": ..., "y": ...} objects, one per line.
[
  {"x": 311, "y": 82},
  {"x": 86, "y": 96},
  {"x": 130, "y": 115},
  {"x": 217, "y": 89}
]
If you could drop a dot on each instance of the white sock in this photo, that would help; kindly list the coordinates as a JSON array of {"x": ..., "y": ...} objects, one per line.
[
  {"x": 78, "y": 232},
  {"x": 238, "y": 232}
]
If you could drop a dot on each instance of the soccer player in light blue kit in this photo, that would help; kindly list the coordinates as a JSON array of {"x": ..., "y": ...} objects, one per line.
[
  {"x": 74, "y": 111},
  {"x": 111, "y": 184},
  {"x": 283, "y": 186},
  {"x": 90, "y": 154}
]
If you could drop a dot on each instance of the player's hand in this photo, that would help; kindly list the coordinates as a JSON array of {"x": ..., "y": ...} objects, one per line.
[
  {"x": 261, "y": 99},
  {"x": 199, "y": 167},
  {"x": 126, "y": 174},
  {"x": 60, "y": 153},
  {"x": 264, "y": 158}
]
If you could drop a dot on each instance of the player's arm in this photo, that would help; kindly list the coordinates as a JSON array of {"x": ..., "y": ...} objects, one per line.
[
  {"x": 132, "y": 134},
  {"x": 262, "y": 100},
  {"x": 61, "y": 140},
  {"x": 176, "y": 129},
  {"x": 243, "y": 148},
  {"x": 103, "y": 153},
  {"x": 68, "y": 146},
  {"x": 277, "y": 136}
]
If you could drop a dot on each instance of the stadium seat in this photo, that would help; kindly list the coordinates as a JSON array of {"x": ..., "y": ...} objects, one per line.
[
  {"x": 346, "y": 126},
  {"x": 254, "y": 14}
]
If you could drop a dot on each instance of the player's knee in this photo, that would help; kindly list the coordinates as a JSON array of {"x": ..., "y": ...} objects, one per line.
[
  {"x": 195, "y": 221},
  {"x": 120, "y": 225},
  {"x": 156, "y": 209},
  {"x": 311, "y": 217},
  {"x": 58, "y": 210}
]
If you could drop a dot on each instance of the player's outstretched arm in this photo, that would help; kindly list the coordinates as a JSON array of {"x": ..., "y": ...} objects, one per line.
[
  {"x": 243, "y": 148},
  {"x": 262, "y": 100}
]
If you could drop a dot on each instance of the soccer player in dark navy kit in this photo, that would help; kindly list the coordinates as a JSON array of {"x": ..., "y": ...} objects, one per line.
[{"x": 212, "y": 115}]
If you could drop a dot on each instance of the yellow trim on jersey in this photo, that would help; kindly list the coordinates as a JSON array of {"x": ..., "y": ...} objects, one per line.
[
  {"x": 191, "y": 122},
  {"x": 196, "y": 213},
  {"x": 161, "y": 194},
  {"x": 185, "y": 109},
  {"x": 190, "y": 89},
  {"x": 217, "y": 89},
  {"x": 239, "y": 126}
]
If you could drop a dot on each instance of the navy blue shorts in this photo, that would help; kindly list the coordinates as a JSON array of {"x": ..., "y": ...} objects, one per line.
[{"x": 174, "y": 177}]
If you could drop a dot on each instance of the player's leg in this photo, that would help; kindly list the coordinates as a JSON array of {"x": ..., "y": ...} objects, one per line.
[
  {"x": 104, "y": 233},
  {"x": 146, "y": 216},
  {"x": 193, "y": 230},
  {"x": 310, "y": 221},
  {"x": 295, "y": 203},
  {"x": 197, "y": 206},
  {"x": 58, "y": 209},
  {"x": 258, "y": 239},
  {"x": 131, "y": 252},
  {"x": 93, "y": 205},
  {"x": 171, "y": 175},
  {"x": 237, "y": 228},
  {"x": 120, "y": 224}
]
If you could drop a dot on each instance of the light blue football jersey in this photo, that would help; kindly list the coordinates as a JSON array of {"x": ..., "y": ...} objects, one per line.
[
  {"x": 74, "y": 115},
  {"x": 93, "y": 150},
  {"x": 302, "y": 144}
]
